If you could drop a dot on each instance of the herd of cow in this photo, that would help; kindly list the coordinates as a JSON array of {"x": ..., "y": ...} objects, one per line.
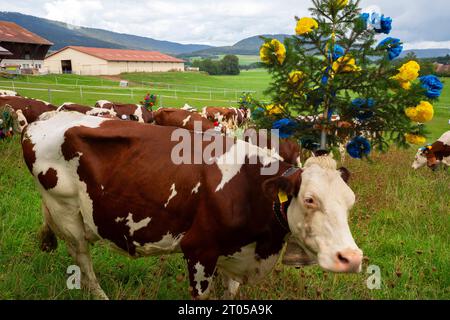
[{"x": 102, "y": 178}]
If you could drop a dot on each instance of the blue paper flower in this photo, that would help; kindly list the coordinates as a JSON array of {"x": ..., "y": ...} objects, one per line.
[
  {"x": 359, "y": 147},
  {"x": 393, "y": 46},
  {"x": 365, "y": 18},
  {"x": 257, "y": 113},
  {"x": 433, "y": 86},
  {"x": 379, "y": 23},
  {"x": 385, "y": 25},
  {"x": 286, "y": 127},
  {"x": 363, "y": 108},
  {"x": 338, "y": 52}
]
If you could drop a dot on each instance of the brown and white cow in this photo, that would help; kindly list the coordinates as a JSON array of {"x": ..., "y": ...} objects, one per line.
[
  {"x": 231, "y": 117},
  {"x": 433, "y": 155},
  {"x": 134, "y": 112},
  {"x": 98, "y": 112},
  {"x": 220, "y": 214},
  {"x": 180, "y": 118},
  {"x": 27, "y": 110}
]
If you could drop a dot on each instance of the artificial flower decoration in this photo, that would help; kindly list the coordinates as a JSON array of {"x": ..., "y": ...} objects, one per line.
[
  {"x": 407, "y": 73},
  {"x": 305, "y": 26},
  {"x": 270, "y": 49},
  {"x": 286, "y": 127},
  {"x": 393, "y": 46},
  {"x": 345, "y": 64},
  {"x": 274, "y": 109},
  {"x": 363, "y": 108},
  {"x": 377, "y": 22},
  {"x": 258, "y": 113},
  {"x": 415, "y": 139},
  {"x": 338, "y": 52},
  {"x": 342, "y": 3},
  {"x": 433, "y": 86},
  {"x": 296, "y": 77},
  {"x": 359, "y": 147},
  {"x": 423, "y": 113}
]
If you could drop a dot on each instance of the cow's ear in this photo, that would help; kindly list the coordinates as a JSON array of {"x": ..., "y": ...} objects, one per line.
[
  {"x": 288, "y": 185},
  {"x": 345, "y": 174}
]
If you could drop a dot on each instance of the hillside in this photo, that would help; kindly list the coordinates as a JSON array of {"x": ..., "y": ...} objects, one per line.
[
  {"x": 62, "y": 34},
  {"x": 248, "y": 46},
  {"x": 428, "y": 53}
]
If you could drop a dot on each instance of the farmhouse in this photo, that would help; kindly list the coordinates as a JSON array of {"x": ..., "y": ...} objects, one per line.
[
  {"x": 102, "y": 61},
  {"x": 27, "y": 50}
]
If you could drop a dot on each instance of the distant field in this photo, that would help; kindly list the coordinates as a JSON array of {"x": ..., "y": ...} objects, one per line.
[
  {"x": 244, "y": 60},
  {"x": 175, "y": 89}
]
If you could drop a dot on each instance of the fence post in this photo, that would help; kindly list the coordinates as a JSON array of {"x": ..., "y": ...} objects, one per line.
[
  {"x": 56, "y": 80},
  {"x": 176, "y": 94},
  {"x": 13, "y": 86},
  {"x": 210, "y": 95},
  {"x": 131, "y": 93},
  {"x": 81, "y": 92},
  {"x": 160, "y": 101},
  {"x": 49, "y": 95}
]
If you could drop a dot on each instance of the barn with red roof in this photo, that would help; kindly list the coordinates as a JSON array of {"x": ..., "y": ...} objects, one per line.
[
  {"x": 21, "y": 48},
  {"x": 104, "y": 61}
]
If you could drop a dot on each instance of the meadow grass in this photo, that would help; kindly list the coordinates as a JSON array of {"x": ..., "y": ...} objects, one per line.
[
  {"x": 401, "y": 220},
  {"x": 244, "y": 60}
]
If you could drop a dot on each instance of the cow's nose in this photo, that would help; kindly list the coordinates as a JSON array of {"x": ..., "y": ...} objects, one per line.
[{"x": 349, "y": 260}]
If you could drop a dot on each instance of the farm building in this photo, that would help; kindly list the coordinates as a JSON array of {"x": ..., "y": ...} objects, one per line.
[
  {"x": 27, "y": 49},
  {"x": 102, "y": 61}
]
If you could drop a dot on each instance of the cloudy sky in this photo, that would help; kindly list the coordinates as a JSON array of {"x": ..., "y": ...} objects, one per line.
[{"x": 419, "y": 23}]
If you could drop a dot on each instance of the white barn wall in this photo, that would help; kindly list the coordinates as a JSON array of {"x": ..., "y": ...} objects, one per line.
[
  {"x": 85, "y": 64},
  {"x": 117, "y": 67},
  {"x": 82, "y": 63}
]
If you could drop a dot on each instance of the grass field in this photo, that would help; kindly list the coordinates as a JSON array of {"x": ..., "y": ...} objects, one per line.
[
  {"x": 244, "y": 60},
  {"x": 401, "y": 221},
  {"x": 174, "y": 89}
]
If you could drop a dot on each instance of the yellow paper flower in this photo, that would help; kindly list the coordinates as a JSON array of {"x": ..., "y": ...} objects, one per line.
[
  {"x": 271, "y": 48},
  {"x": 274, "y": 109},
  {"x": 405, "y": 85},
  {"x": 415, "y": 139},
  {"x": 296, "y": 76},
  {"x": 305, "y": 26},
  {"x": 407, "y": 73},
  {"x": 345, "y": 64},
  {"x": 342, "y": 3},
  {"x": 423, "y": 113}
]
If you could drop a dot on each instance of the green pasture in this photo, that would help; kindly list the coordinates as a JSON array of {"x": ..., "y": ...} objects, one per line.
[{"x": 401, "y": 220}]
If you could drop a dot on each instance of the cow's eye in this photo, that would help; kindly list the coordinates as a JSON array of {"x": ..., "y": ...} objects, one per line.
[{"x": 310, "y": 202}]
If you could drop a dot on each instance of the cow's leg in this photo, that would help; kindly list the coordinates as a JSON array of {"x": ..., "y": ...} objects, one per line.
[
  {"x": 48, "y": 239},
  {"x": 68, "y": 224},
  {"x": 201, "y": 262},
  {"x": 232, "y": 287}
]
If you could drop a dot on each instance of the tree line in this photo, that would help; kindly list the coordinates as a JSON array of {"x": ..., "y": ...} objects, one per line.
[{"x": 228, "y": 65}]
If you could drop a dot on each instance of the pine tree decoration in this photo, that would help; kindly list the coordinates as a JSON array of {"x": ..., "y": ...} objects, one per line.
[{"x": 334, "y": 82}]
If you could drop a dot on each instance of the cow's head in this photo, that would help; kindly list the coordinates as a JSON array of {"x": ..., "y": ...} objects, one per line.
[
  {"x": 426, "y": 156},
  {"x": 420, "y": 159},
  {"x": 318, "y": 215}
]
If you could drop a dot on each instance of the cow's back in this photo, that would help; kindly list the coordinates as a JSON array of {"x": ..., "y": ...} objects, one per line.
[{"x": 30, "y": 108}]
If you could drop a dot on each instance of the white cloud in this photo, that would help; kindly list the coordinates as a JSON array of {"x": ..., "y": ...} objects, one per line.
[{"x": 74, "y": 12}]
